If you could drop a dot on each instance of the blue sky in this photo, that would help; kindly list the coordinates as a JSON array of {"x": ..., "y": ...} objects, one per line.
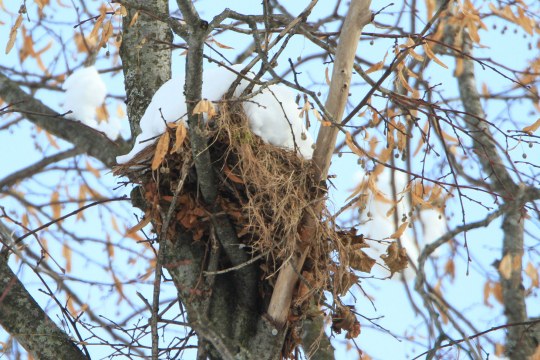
[{"x": 389, "y": 297}]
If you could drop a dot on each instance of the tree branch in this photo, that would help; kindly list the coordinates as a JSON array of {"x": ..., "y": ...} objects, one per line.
[
  {"x": 520, "y": 345},
  {"x": 146, "y": 56},
  {"x": 86, "y": 139},
  {"x": 37, "y": 167},
  {"x": 23, "y": 318},
  {"x": 358, "y": 16}
]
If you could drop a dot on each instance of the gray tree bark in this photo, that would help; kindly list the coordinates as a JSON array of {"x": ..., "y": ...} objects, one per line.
[
  {"x": 24, "y": 319},
  {"x": 520, "y": 342}
]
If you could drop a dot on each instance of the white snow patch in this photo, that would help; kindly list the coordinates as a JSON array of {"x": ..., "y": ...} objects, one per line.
[
  {"x": 111, "y": 128},
  {"x": 273, "y": 114},
  {"x": 381, "y": 226},
  {"x": 85, "y": 91}
]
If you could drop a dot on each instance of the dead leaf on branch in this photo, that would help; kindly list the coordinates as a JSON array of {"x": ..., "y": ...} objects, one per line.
[
  {"x": 532, "y": 128},
  {"x": 432, "y": 56},
  {"x": 532, "y": 273},
  {"x": 377, "y": 66},
  {"x": 401, "y": 229},
  {"x": 359, "y": 260},
  {"x": 395, "y": 258},
  {"x": 106, "y": 33},
  {"x": 180, "y": 134},
  {"x": 162, "y": 148},
  {"x": 221, "y": 45},
  {"x": 145, "y": 221},
  {"x": 13, "y": 33},
  {"x": 205, "y": 106},
  {"x": 345, "y": 283},
  {"x": 97, "y": 25},
  {"x": 344, "y": 319},
  {"x": 350, "y": 237}
]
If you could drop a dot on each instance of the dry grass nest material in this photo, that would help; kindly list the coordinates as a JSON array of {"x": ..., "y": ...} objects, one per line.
[{"x": 267, "y": 192}]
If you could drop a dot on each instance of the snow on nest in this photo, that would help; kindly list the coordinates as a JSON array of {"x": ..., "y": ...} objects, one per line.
[
  {"x": 273, "y": 113},
  {"x": 84, "y": 92}
]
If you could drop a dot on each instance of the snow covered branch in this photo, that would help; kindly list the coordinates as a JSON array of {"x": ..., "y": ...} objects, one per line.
[{"x": 83, "y": 137}]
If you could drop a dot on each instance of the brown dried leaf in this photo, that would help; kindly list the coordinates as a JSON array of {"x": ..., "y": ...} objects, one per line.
[
  {"x": 450, "y": 268},
  {"x": 430, "y": 8},
  {"x": 327, "y": 76},
  {"x": 145, "y": 221},
  {"x": 395, "y": 258},
  {"x": 377, "y": 66},
  {"x": 532, "y": 273},
  {"x": 532, "y": 128},
  {"x": 305, "y": 109},
  {"x": 487, "y": 291},
  {"x": 223, "y": 46},
  {"x": 473, "y": 32},
  {"x": 134, "y": 19},
  {"x": 70, "y": 307},
  {"x": 180, "y": 134},
  {"x": 536, "y": 355},
  {"x": 352, "y": 238},
  {"x": 344, "y": 319},
  {"x": 355, "y": 149},
  {"x": 527, "y": 23},
  {"x": 51, "y": 140},
  {"x": 205, "y": 106},
  {"x": 432, "y": 56},
  {"x": 102, "y": 113},
  {"x": 231, "y": 176},
  {"x": 107, "y": 32},
  {"x": 13, "y": 33},
  {"x": 110, "y": 248},
  {"x": 97, "y": 26},
  {"x": 162, "y": 148},
  {"x": 359, "y": 260},
  {"x": 496, "y": 290},
  {"x": 83, "y": 44},
  {"x": 317, "y": 114},
  {"x": 375, "y": 119},
  {"x": 122, "y": 11},
  {"x": 402, "y": 136},
  {"x": 459, "y": 67},
  {"x": 55, "y": 204},
  {"x": 346, "y": 281},
  {"x": 303, "y": 288},
  {"x": 404, "y": 82},
  {"x": 41, "y": 3},
  {"x": 67, "y": 254},
  {"x": 499, "y": 349},
  {"x": 119, "y": 287},
  {"x": 401, "y": 229}
]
